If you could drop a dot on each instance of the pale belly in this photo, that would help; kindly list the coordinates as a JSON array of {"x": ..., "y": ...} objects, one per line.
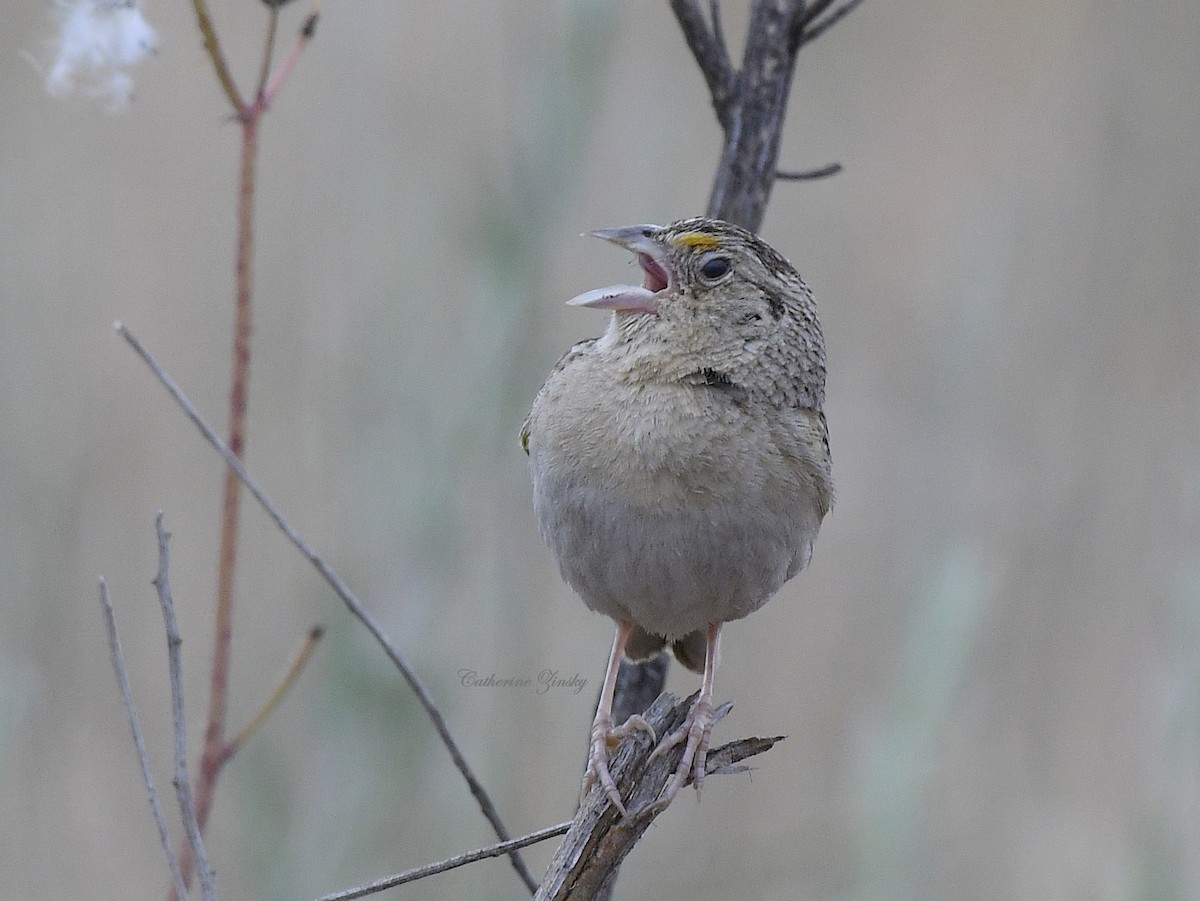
[{"x": 675, "y": 553}]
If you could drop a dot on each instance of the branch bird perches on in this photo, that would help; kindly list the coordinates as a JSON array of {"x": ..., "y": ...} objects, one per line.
[{"x": 750, "y": 104}]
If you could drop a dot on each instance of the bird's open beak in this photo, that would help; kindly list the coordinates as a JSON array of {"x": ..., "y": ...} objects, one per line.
[{"x": 656, "y": 281}]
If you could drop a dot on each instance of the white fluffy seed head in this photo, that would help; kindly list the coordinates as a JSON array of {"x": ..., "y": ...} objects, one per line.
[{"x": 98, "y": 43}]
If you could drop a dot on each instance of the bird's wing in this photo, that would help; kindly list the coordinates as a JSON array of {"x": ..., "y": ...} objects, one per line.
[
  {"x": 806, "y": 445},
  {"x": 811, "y": 452},
  {"x": 564, "y": 361}
]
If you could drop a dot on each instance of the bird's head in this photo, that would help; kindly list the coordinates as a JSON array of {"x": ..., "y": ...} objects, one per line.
[
  {"x": 713, "y": 296},
  {"x": 702, "y": 267}
]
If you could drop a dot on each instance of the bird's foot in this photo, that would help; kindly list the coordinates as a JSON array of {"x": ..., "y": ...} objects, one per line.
[
  {"x": 696, "y": 731},
  {"x": 604, "y": 739}
]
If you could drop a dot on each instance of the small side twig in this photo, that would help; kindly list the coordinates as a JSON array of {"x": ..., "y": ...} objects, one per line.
[
  {"x": 809, "y": 174},
  {"x": 353, "y": 604},
  {"x": 315, "y": 634},
  {"x": 810, "y": 29},
  {"x": 118, "y": 662},
  {"x": 183, "y": 787},
  {"x": 272, "y": 86},
  {"x": 809, "y": 13},
  {"x": 449, "y": 864}
]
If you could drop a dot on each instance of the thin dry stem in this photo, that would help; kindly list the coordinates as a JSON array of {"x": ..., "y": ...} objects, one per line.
[
  {"x": 273, "y": 86},
  {"x": 213, "y": 48},
  {"x": 217, "y": 751},
  {"x": 341, "y": 590},
  {"x": 449, "y": 864},
  {"x": 183, "y": 788},
  {"x": 118, "y": 662},
  {"x": 215, "y": 754},
  {"x": 268, "y": 51},
  {"x": 285, "y": 684},
  {"x": 751, "y": 102}
]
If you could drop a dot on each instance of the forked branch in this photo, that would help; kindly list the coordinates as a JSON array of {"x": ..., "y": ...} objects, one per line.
[
  {"x": 750, "y": 105},
  {"x": 751, "y": 102},
  {"x": 587, "y": 861}
]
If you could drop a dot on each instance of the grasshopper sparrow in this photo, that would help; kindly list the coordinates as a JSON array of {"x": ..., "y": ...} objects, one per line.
[{"x": 680, "y": 461}]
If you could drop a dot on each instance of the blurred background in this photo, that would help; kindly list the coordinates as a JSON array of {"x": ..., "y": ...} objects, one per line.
[{"x": 990, "y": 676}]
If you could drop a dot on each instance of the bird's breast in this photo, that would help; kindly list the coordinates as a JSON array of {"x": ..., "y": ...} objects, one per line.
[
  {"x": 654, "y": 443},
  {"x": 668, "y": 504}
]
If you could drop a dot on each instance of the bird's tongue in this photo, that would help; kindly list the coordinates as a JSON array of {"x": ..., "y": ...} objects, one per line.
[
  {"x": 641, "y": 298},
  {"x": 627, "y": 298}
]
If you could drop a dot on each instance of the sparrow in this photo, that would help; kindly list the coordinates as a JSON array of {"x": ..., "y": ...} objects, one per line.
[{"x": 680, "y": 461}]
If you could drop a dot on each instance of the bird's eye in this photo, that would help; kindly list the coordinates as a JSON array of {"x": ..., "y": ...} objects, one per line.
[{"x": 714, "y": 268}]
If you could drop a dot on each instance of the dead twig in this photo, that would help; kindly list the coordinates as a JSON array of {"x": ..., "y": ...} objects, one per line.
[
  {"x": 449, "y": 864},
  {"x": 118, "y": 662},
  {"x": 810, "y": 29},
  {"x": 315, "y": 634},
  {"x": 183, "y": 786},
  {"x": 809, "y": 174},
  {"x": 271, "y": 87}
]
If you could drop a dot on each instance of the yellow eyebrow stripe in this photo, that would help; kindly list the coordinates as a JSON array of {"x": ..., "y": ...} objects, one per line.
[{"x": 700, "y": 240}]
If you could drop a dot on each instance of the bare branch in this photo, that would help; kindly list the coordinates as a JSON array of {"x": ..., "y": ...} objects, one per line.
[
  {"x": 118, "y": 662},
  {"x": 711, "y": 54},
  {"x": 746, "y": 172},
  {"x": 341, "y": 590},
  {"x": 449, "y": 864},
  {"x": 587, "y": 861},
  {"x": 810, "y": 174},
  {"x": 811, "y": 30},
  {"x": 751, "y": 102},
  {"x": 183, "y": 786}
]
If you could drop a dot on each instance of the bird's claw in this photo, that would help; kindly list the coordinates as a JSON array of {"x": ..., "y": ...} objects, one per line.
[
  {"x": 696, "y": 730},
  {"x": 605, "y": 738}
]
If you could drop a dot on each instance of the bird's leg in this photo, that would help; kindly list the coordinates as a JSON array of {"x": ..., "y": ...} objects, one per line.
[
  {"x": 604, "y": 736},
  {"x": 696, "y": 729}
]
